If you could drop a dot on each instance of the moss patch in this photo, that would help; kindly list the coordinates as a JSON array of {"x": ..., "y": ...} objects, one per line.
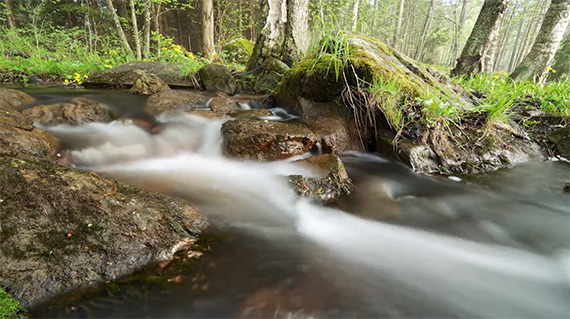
[{"x": 9, "y": 307}]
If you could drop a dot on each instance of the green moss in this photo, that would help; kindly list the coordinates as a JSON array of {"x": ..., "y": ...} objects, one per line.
[
  {"x": 315, "y": 77},
  {"x": 237, "y": 50},
  {"x": 369, "y": 70},
  {"x": 9, "y": 307}
]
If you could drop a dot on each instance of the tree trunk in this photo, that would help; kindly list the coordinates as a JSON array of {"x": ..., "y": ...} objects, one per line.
[
  {"x": 355, "y": 6},
  {"x": 562, "y": 59},
  {"x": 157, "y": 28},
  {"x": 11, "y": 17},
  {"x": 529, "y": 35},
  {"x": 208, "y": 28},
  {"x": 425, "y": 30},
  {"x": 512, "y": 61},
  {"x": 398, "y": 29},
  {"x": 135, "y": 29},
  {"x": 120, "y": 31},
  {"x": 146, "y": 29},
  {"x": 284, "y": 32},
  {"x": 459, "y": 27},
  {"x": 480, "y": 40},
  {"x": 503, "y": 41},
  {"x": 535, "y": 64}
]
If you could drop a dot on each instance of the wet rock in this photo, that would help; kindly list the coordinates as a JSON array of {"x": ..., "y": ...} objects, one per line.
[
  {"x": 255, "y": 101},
  {"x": 147, "y": 84},
  {"x": 11, "y": 99},
  {"x": 209, "y": 114},
  {"x": 78, "y": 111},
  {"x": 223, "y": 105},
  {"x": 17, "y": 134},
  {"x": 251, "y": 113},
  {"x": 331, "y": 187},
  {"x": 217, "y": 77},
  {"x": 331, "y": 130},
  {"x": 238, "y": 50},
  {"x": 561, "y": 140},
  {"x": 272, "y": 71},
  {"x": 176, "y": 100},
  {"x": 61, "y": 229},
  {"x": 126, "y": 74},
  {"x": 266, "y": 140}
]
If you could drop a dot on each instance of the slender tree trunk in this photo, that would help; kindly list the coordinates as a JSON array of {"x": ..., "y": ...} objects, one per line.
[
  {"x": 396, "y": 39},
  {"x": 157, "y": 28},
  {"x": 208, "y": 28},
  {"x": 355, "y": 7},
  {"x": 119, "y": 28},
  {"x": 541, "y": 55},
  {"x": 284, "y": 32},
  {"x": 146, "y": 29},
  {"x": 425, "y": 30},
  {"x": 11, "y": 17},
  {"x": 135, "y": 29},
  {"x": 512, "y": 61},
  {"x": 562, "y": 59},
  {"x": 503, "y": 41},
  {"x": 528, "y": 38},
  {"x": 480, "y": 40}
]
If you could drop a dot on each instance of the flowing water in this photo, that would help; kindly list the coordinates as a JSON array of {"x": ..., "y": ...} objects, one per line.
[{"x": 405, "y": 245}]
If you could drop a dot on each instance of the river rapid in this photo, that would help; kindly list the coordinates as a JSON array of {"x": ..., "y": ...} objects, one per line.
[{"x": 405, "y": 245}]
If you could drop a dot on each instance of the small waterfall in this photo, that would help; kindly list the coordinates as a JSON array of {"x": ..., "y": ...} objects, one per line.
[{"x": 184, "y": 159}]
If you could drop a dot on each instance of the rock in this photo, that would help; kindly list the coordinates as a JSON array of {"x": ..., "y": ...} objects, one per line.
[
  {"x": 17, "y": 134},
  {"x": 209, "y": 114},
  {"x": 176, "y": 100},
  {"x": 217, "y": 77},
  {"x": 332, "y": 187},
  {"x": 223, "y": 105},
  {"x": 331, "y": 130},
  {"x": 126, "y": 74},
  {"x": 266, "y": 140},
  {"x": 62, "y": 229},
  {"x": 78, "y": 111},
  {"x": 237, "y": 50},
  {"x": 251, "y": 113},
  {"x": 11, "y": 99},
  {"x": 561, "y": 140},
  {"x": 148, "y": 84},
  {"x": 272, "y": 71},
  {"x": 255, "y": 101}
]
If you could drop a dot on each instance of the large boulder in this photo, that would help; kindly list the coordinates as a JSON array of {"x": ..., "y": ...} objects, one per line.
[
  {"x": 17, "y": 134},
  {"x": 266, "y": 140},
  {"x": 172, "y": 74},
  {"x": 333, "y": 184},
  {"x": 169, "y": 100},
  {"x": 217, "y": 78},
  {"x": 392, "y": 105},
  {"x": 62, "y": 229},
  {"x": 11, "y": 99},
  {"x": 77, "y": 111}
]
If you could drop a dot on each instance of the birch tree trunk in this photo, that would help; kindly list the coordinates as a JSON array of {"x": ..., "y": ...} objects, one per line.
[
  {"x": 284, "y": 32},
  {"x": 459, "y": 27},
  {"x": 157, "y": 28},
  {"x": 355, "y": 7},
  {"x": 135, "y": 29},
  {"x": 518, "y": 39},
  {"x": 120, "y": 31},
  {"x": 146, "y": 29},
  {"x": 562, "y": 59},
  {"x": 208, "y": 28},
  {"x": 504, "y": 37},
  {"x": 535, "y": 64},
  {"x": 398, "y": 29},
  {"x": 476, "y": 49}
]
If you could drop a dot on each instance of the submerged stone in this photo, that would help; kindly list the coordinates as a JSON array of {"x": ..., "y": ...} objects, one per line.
[{"x": 77, "y": 111}]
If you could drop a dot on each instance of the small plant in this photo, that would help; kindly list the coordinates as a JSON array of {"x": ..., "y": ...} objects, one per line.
[{"x": 9, "y": 307}]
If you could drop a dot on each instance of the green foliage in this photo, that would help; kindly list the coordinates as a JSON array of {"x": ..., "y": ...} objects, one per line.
[
  {"x": 388, "y": 95},
  {"x": 9, "y": 307},
  {"x": 503, "y": 94}
]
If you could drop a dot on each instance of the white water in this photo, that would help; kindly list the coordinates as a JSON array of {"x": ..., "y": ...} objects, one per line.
[{"x": 184, "y": 160}]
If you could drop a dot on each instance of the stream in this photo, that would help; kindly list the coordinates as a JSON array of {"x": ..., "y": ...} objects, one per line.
[{"x": 405, "y": 245}]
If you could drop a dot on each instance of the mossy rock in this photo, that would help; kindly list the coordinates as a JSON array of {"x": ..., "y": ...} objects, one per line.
[
  {"x": 272, "y": 71},
  {"x": 217, "y": 78},
  {"x": 148, "y": 84},
  {"x": 77, "y": 111},
  {"x": 237, "y": 50},
  {"x": 561, "y": 139},
  {"x": 11, "y": 99}
]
